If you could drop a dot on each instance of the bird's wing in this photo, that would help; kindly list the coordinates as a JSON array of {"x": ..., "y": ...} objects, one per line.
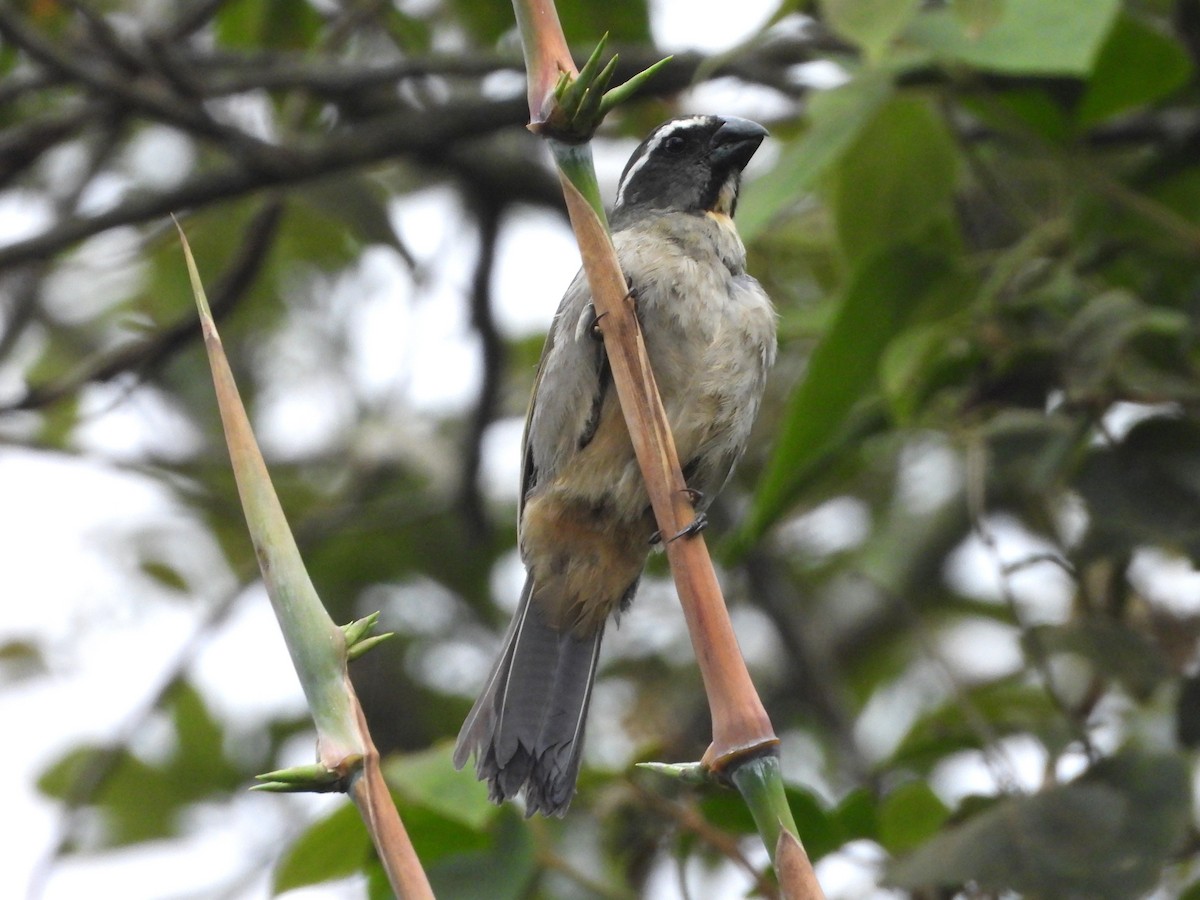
[{"x": 571, "y": 383}]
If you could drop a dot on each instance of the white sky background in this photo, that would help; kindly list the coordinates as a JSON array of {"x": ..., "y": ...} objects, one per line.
[{"x": 69, "y": 523}]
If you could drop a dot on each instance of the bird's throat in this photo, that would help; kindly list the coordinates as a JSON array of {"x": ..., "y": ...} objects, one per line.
[{"x": 726, "y": 199}]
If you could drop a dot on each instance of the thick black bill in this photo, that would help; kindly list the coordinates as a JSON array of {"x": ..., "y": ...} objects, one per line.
[{"x": 736, "y": 141}]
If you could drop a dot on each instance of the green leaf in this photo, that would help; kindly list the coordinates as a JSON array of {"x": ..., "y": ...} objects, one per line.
[
  {"x": 260, "y": 24},
  {"x": 1137, "y": 65},
  {"x": 1030, "y": 37},
  {"x": 504, "y": 871},
  {"x": 200, "y": 757},
  {"x": 921, "y": 359},
  {"x": 896, "y": 180},
  {"x": 872, "y": 24},
  {"x": 1103, "y": 836},
  {"x": 1008, "y": 706},
  {"x": 909, "y": 816},
  {"x": 486, "y": 22},
  {"x": 358, "y": 204},
  {"x": 820, "y": 832},
  {"x": 1034, "y": 106},
  {"x": 378, "y": 885},
  {"x": 726, "y": 809},
  {"x": 20, "y": 660},
  {"x": 390, "y": 540},
  {"x": 436, "y": 836},
  {"x": 843, "y": 370},
  {"x": 1148, "y": 487},
  {"x": 429, "y": 778},
  {"x": 1114, "y": 650},
  {"x": 58, "y": 421},
  {"x": 137, "y": 801},
  {"x": 165, "y": 574},
  {"x": 857, "y": 816},
  {"x": 624, "y": 21},
  {"x": 1105, "y": 343},
  {"x": 411, "y": 33},
  {"x": 311, "y": 236},
  {"x": 978, "y": 16},
  {"x": 337, "y": 846},
  {"x": 836, "y": 118},
  {"x": 140, "y": 800}
]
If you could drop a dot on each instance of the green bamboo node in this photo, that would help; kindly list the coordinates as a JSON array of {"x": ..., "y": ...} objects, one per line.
[
  {"x": 360, "y": 628},
  {"x": 584, "y": 101},
  {"x": 314, "y": 778},
  {"x": 760, "y": 782},
  {"x": 359, "y": 638},
  {"x": 688, "y": 773},
  {"x": 360, "y": 648},
  {"x": 623, "y": 92}
]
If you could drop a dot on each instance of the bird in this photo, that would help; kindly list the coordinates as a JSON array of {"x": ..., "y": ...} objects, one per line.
[{"x": 585, "y": 527}]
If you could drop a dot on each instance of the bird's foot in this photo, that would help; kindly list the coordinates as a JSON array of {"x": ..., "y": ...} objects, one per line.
[
  {"x": 697, "y": 524},
  {"x": 592, "y": 323},
  {"x": 631, "y": 294}
]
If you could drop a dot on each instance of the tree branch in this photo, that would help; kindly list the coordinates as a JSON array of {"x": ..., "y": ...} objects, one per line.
[
  {"x": 492, "y": 347},
  {"x": 146, "y": 355},
  {"x": 156, "y": 101},
  {"x": 414, "y": 134}
]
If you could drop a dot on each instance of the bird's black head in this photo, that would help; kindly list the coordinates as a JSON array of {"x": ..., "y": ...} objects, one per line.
[{"x": 692, "y": 164}]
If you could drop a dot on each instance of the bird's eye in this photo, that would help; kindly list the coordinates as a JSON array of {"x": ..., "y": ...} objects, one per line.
[{"x": 674, "y": 144}]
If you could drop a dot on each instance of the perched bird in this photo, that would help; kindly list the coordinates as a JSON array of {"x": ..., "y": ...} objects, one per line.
[{"x": 585, "y": 525}]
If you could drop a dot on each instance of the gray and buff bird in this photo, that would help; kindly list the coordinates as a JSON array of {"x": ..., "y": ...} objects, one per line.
[{"x": 585, "y": 524}]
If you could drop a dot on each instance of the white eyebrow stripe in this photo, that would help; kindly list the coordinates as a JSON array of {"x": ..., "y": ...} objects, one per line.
[{"x": 655, "y": 141}]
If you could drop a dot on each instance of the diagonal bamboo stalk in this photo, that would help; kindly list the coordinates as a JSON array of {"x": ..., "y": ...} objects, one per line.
[
  {"x": 744, "y": 749},
  {"x": 740, "y": 723},
  {"x": 347, "y": 757}
]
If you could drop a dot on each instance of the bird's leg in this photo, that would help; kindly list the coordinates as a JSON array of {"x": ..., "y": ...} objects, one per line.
[
  {"x": 591, "y": 318},
  {"x": 697, "y": 525}
]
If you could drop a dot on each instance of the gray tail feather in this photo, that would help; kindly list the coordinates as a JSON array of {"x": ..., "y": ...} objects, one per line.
[{"x": 526, "y": 728}]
